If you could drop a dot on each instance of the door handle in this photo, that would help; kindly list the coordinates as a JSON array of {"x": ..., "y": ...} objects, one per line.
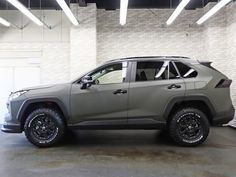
[
  {"x": 120, "y": 91},
  {"x": 174, "y": 86}
]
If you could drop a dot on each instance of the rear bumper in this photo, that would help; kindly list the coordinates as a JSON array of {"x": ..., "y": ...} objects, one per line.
[{"x": 224, "y": 117}]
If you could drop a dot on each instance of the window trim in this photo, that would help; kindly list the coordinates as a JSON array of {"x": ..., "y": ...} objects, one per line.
[
  {"x": 134, "y": 70},
  {"x": 127, "y": 79},
  {"x": 186, "y": 65},
  {"x": 173, "y": 62}
]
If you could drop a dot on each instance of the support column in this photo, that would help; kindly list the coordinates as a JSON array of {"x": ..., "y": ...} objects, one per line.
[{"x": 83, "y": 40}]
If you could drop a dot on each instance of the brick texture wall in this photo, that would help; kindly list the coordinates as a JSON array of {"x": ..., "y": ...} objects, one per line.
[
  {"x": 83, "y": 40},
  {"x": 145, "y": 34},
  {"x": 231, "y": 49}
]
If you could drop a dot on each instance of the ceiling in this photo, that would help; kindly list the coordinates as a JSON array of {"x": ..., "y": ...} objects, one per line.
[{"x": 107, "y": 4}]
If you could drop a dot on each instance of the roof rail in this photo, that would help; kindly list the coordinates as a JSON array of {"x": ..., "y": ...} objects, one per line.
[
  {"x": 158, "y": 57},
  {"x": 143, "y": 57}
]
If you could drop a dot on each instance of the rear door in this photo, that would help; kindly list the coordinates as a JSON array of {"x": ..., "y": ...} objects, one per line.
[{"x": 153, "y": 84}]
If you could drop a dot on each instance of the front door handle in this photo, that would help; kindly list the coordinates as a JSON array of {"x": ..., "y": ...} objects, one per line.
[
  {"x": 120, "y": 91},
  {"x": 174, "y": 86}
]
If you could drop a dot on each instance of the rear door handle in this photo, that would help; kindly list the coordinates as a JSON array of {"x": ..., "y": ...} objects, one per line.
[
  {"x": 120, "y": 91},
  {"x": 174, "y": 86}
]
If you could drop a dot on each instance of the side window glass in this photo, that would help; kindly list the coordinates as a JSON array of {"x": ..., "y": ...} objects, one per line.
[
  {"x": 149, "y": 71},
  {"x": 112, "y": 74},
  {"x": 185, "y": 71}
]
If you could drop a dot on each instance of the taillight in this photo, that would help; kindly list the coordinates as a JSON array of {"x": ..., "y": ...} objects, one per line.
[{"x": 224, "y": 83}]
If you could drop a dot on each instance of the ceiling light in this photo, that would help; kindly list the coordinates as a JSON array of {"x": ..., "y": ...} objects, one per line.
[
  {"x": 211, "y": 12},
  {"x": 177, "y": 11},
  {"x": 25, "y": 11},
  {"x": 123, "y": 11},
  {"x": 68, "y": 12},
  {"x": 4, "y": 22}
]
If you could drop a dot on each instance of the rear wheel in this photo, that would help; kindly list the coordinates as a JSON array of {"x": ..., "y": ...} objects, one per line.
[
  {"x": 44, "y": 127},
  {"x": 189, "y": 127}
]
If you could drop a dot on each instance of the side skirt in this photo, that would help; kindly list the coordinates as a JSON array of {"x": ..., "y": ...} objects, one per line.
[{"x": 144, "y": 124}]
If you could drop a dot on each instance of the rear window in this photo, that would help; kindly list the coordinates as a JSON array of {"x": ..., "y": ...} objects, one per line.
[{"x": 186, "y": 71}]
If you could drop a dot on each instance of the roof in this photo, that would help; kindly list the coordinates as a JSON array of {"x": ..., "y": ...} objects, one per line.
[{"x": 145, "y": 58}]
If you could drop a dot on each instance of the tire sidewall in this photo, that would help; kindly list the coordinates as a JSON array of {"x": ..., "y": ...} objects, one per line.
[
  {"x": 56, "y": 118},
  {"x": 173, "y": 130}
]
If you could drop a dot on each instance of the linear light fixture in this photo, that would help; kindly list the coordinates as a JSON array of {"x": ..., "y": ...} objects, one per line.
[
  {"x": 177, "y": 11},
  {"x": 25, "y": 11},
  {"x": 68, "y": 12},
  {"x": 123, "y": 11},
  {"x": 4, "y": 22},
  {"x": 212, "y": 12}
]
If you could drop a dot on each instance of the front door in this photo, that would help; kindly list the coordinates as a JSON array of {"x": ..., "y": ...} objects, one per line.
[
  {"x": 105, "y": 101},
  {"x": 152, "y": 86}
]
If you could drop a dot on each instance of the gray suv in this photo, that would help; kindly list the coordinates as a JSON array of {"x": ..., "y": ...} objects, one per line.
[{"x": 182, "y": 95}]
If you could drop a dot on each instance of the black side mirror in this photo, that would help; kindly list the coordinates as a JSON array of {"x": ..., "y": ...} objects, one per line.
[{"x": 86, "y": 82}]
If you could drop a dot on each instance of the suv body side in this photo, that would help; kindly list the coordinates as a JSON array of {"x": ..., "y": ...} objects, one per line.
[{"x": 145, "y": 103}]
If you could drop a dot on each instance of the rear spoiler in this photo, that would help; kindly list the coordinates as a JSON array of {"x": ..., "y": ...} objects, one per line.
[{"x": 206, "y": 63}]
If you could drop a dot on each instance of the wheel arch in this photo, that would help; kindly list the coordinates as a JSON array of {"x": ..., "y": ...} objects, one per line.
[
  {"x": 196, "y": 101},
  {"x": 32, "y": 104}
]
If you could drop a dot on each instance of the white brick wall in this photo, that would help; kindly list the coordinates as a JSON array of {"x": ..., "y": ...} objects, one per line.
[
  {"x": 231, "y": 48},
  {"x": 83, "y": 43},
  {"x": 144, "y": 34},
  {"x": 53, "y": 44},
  {"x": 54, "y": 60}
]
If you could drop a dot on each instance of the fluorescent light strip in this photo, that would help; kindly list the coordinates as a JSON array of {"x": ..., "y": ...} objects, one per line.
[
  {"x": 123, "y": 11},
  {"x": 68, "y": 12},
  {"x": 25, "y": 11},
  {"x": 4, "y": 22},
  {"x": 211, "y": 12},
  {"x": 177, "y": 11}
]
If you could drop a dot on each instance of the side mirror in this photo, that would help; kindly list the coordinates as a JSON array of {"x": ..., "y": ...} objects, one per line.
[{"x": 86, "y": 82}]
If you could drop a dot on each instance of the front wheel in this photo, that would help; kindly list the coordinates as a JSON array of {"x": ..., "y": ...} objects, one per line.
[
  {"x": 189, "y": 127},
  {"x": 44, "y": 127}
]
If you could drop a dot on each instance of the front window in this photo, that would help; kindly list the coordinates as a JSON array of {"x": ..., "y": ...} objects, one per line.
[{"x": 111, "y": 74}]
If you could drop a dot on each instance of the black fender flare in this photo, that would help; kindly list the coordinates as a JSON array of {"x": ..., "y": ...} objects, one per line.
[
  {"x": 28, "y": 102},
  {"x": 175, "y": 100}
]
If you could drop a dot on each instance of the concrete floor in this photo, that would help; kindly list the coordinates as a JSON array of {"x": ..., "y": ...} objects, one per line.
[{"x": 120, "y": 154}]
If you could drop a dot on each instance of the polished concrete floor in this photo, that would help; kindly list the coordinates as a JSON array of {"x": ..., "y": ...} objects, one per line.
[{"x": 119, "y": 154}]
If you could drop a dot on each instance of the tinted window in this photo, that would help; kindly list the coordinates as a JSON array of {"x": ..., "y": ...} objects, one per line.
[
  {"x": 172, "y": 72},
  {"x": 149, "y": 71},
  {"x": 186, "y": 71},
  {"x": 115, "y": 73}
]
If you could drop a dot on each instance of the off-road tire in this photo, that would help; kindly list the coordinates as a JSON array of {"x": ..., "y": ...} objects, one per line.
[
  {"x": 196, "y": 118},
  {"x": 54, "y": 125}
]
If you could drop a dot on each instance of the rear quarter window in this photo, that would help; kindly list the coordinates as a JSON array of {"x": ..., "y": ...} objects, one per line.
[{"x": 186, "y": 71}]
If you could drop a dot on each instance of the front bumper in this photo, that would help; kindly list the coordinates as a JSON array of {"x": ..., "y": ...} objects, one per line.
[
  {"x": 224, "y": 117},
  {"x": 9, "y": 126}
]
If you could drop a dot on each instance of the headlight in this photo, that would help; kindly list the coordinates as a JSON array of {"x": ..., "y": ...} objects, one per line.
[{"x": 17, "y": 94}]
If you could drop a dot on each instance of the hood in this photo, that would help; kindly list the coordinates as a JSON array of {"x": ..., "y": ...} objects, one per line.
[{"x": 41, "y": 87}]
